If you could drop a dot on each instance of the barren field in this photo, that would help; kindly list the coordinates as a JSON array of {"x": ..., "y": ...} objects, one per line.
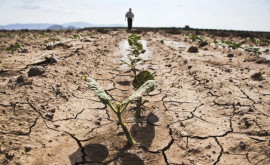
[{"x": 210, "y": 107}]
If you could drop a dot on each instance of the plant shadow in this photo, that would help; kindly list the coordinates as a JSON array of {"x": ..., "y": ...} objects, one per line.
[
  {"x": 91, "y": 153},
  {"x": 144, "y": 134},
  {"x": 97, "y": 153}
]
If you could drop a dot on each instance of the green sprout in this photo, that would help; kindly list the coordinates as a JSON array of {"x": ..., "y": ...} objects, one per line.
[
  {"x": 233, "y": 45},
  {"x": 136, "y": 50},
  {"x": 13, "y": 48},
  {"x": 229, "y": 44},
  {"x": 2, "y": 35},
  {"x": 197, "y": 38},
  {"x": 75, "y": 36},
  {"x": 252, "y": 49},
  {"x": 119, "y": 108},
  {"x": 138, "y": 81},
  {"x": 54, "y": 39}
]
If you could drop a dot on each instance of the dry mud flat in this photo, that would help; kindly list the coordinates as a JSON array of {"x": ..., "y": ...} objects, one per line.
[{"x": 206, "y": 109}]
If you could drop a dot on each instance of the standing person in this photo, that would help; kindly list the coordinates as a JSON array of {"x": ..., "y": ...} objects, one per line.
[{"x": 130, "y": 17}]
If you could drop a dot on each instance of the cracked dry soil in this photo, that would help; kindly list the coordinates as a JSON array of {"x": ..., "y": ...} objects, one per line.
[{"x": 205, "y": 110}]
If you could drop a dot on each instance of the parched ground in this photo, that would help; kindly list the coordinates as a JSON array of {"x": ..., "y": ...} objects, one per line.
[{"x": 207, "y": 108}]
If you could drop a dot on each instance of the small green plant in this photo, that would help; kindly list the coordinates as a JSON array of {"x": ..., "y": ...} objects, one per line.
[
  {"x": 259, "y": 41},
  {"x": 52, "y": 40},
  {"x": 75, "y": 36},
  {"x": 2, "y": 35},
  {"x": 119, "y": 108},
  {"x": 197, "y": 38},
  {"x": 233, "y": 45},
  {"x": 136, "y": 50},
  {"x": 252, "y": 49},
  {"x": 138, "y": 81},
  {"x": 13, "y": 47},
  {"x": 228, "y": 44}
]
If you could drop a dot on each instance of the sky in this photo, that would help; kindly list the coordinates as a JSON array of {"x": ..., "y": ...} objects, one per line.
[{"x": 251, "y": 15}]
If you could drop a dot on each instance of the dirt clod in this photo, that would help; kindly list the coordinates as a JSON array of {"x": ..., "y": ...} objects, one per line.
[
  {"x": 49, "y": 115},
  {"x": 27, "y": 148},
  {"x": 257, "y": 76},
  {"x": 203, "y": 44},
  {"x": 242, "y": 145},
  {"x": 36, "y": 71},
  {"x": 9, "y": 155},
  {"x": 193, "y": 49},
  {"x": 230, "y": 55}
]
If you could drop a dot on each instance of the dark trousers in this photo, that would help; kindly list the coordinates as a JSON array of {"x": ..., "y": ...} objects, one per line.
[{"x": 129, "y": 23}]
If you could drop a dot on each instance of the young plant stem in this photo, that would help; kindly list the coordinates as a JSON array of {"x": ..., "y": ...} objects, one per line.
[
  {"x": 130, "y": 139},
  {"x": 138, "y": 108},
  {"x": 119, "y": 112}
]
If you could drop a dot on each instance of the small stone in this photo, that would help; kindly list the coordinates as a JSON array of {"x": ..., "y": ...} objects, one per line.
[
  {"x": 27, "y": 148},
  {"x": 189, "y": 66},
  {"x": 49, "y": 115},
  {"x": 9, "y": 155},
  {"x": 36, "y": 71},
  {"x": 52, "y": 110},
  {"x": 230, "y": 55},
  {"x": 257, "y": 76},
  {"x": 53, "y": 59},
  {"x": 242, "y": 145},
  {"x": 21, "y": 79},
  {"x": 202, "y": 44},
  {"x": 24, "y": 51},
  {"x": 193, "y": 49}
]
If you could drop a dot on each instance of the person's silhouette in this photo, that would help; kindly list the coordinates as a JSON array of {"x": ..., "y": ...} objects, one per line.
[{"x": 130, "y": 17}]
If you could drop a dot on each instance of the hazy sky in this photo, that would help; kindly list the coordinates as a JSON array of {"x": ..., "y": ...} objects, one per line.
[{"x": 219, "y": 14}]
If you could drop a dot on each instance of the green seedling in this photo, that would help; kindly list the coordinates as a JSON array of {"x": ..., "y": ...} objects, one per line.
[
  {"x": 138, "y": 81},
  {"x": 136, "y": 45},
  {"x": 252, "y": 49},
  {"x": 197, "y": 38},
  {"x": 12, "y": 48},
  {"x": 91, "y": 34},
  {"x": 229, "y": 44},
  {"x": 136, "y": 50},
  {"x": 259, "y": 41},
  {"x": 2, "y": 35},
  {"x": 233, "y": 45},
  {"x": 52, "y": 39},
  {"x": 75, "y": 36},
  {"x": 119, "y": 108}
]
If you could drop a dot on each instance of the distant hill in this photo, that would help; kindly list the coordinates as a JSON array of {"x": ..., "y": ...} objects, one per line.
[
  {"x": 56, "y": 27},
  {"x": 78, "y": 24},
  {"x": 42, "y": 26}
]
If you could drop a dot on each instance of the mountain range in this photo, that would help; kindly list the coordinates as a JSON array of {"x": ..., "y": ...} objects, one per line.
[{"x": 42, "y": 26}]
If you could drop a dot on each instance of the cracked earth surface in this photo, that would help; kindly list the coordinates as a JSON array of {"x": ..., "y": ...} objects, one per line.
[{"x": 205, "y": 110}]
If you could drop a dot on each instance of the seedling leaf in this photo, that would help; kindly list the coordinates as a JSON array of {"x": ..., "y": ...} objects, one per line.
[
  {"x": 141, "y": 78},
  {"x": 104, "y": 98},
  {"x": 147, "y": 87}
]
